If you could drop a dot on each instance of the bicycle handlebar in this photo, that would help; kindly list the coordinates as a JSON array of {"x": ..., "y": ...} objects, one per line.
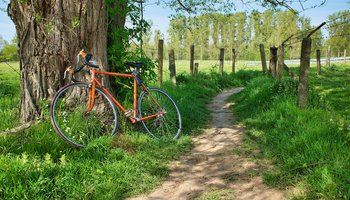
[{"x": 86, "y": 62}]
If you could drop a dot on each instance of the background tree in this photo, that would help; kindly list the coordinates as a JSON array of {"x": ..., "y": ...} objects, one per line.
[
  {"x": 241, "y": 34},
  {"x": 176, "y": 30},
  {"x": 339, "y": 31},
  {"x": 147, "y": 45},
  {"x": 9, "y": 51},
  {"x": 198, "y": 7},
  {"x": 215, "y": 20},
  {"x": 231, "y": 31},
  {"x": 241, "y": 31},
  {"x": 2, "y": 42}
]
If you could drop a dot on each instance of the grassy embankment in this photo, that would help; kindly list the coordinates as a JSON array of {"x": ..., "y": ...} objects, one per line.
[
  {"x": 311, "y": 147},
  {"x": 9, "y": 96},
  {"x": 37, "y": 164}
]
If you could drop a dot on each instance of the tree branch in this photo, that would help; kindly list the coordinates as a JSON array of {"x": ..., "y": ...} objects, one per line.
[
  {"x": 287, "y": 39},
  {"x": 184, "y": 7},
  {"x": 281, "y": 3},
  {"x": 301, "y": 4}
]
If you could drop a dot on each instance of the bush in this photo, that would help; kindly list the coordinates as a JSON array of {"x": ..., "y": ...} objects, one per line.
[{"x": 9, "y": 53}]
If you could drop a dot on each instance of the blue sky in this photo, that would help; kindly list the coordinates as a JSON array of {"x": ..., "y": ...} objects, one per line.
[
  {"x": 159, "y": 15},
  {"x": 7, "y": 28}
]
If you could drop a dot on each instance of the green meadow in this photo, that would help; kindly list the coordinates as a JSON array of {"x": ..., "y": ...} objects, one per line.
[
  {"x": 37, "y": 164},
  {"x": 308, "y": 148}
]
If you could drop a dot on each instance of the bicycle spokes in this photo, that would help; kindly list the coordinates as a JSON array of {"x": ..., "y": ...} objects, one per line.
[
  {"x": 167, "y": 120},
  {"x": 79, "y": 121}
]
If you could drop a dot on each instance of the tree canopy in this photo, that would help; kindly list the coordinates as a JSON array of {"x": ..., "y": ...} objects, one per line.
[
  {"x": 8, "y": 51},
  {"x": 239, "y": 30},
  {"x": 339, "y": 30},
  {"x": 209, "y": 6}
]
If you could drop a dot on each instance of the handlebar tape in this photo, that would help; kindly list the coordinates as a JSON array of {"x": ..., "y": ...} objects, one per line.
[{"x": 87, "y": 61}]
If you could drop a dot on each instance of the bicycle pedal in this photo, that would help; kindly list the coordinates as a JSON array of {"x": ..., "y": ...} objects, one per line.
[{"x": 129, "y": 113}]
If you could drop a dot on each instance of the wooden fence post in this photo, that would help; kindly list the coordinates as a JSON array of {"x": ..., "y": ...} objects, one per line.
[
  {"x": 192, "y": 59},
  {"x": 160, "y": 62},
  {"x": 326, "y": 53},
  {"x": 328, "y": 62},
  {"x": 196, "y": 70},
  {"x": 280, "y": 61},
  {"x": 318, "y": 58},
  {"x": 304, "y": 72},
  {"x": 233, "y": 61},
  {"x": 172, "y": 67},
  {"x": 222, "y": 58},
  {"x": 273, "y": 61},
  {"x": 344, "y": 55},
  {"x": 263, "y": 58},
  {"x": 303, "y": 88}
]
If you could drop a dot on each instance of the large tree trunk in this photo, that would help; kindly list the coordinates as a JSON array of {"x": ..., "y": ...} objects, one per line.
[{"x": 50, "y": 34}]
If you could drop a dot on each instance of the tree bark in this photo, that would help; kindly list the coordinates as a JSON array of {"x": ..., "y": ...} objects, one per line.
[{"x": 50, "y": 34}]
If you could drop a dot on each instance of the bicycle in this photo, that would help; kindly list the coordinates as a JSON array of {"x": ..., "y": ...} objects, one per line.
[{"x": 83, "y": 111}]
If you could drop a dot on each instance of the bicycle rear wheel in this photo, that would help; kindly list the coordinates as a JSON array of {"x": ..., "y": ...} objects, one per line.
[
  {"x": 71, "y": 120},
  {"x": 167, "y": 125}
]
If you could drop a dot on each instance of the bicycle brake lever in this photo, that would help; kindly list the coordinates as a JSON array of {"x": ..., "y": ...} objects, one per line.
[
  {"x": 69, "y": 70},
  {"x": 80, "y": 55}
]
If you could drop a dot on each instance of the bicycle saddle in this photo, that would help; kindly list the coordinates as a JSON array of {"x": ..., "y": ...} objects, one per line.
[{"x": 134, "y": 64}]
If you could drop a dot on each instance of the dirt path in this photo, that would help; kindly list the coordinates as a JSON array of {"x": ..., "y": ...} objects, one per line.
[{"x": 217, "y": 165}]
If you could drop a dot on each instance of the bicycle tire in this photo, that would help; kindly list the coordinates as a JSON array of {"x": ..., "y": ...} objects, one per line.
[
  {"x": 72, "y": 122},
  {"x": 168, "y": 125}
]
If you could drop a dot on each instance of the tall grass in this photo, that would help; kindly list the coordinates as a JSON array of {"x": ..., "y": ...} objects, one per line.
[
  {"x": 9, "y": 96},
  {"x": 310, "y": 147},
  {"x": 37, "y": 164},
  {"x": 333, "y": 86}
]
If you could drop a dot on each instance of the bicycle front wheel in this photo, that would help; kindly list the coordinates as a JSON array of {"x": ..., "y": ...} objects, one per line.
[
  {"x": 77, "y": 124},
  {"x": 167, "y": 125}
]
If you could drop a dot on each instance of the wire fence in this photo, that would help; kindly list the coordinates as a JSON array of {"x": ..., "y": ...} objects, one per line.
[{"x": 295, "y": 61}]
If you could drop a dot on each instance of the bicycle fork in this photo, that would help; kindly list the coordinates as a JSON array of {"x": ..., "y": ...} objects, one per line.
[{"x": 91, "y": 97}]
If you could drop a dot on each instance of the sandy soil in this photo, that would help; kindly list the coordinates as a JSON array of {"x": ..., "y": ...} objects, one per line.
[{"x": 217, "y": 166}]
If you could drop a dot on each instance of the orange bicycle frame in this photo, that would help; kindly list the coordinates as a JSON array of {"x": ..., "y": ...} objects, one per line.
[{"x": 95, "y": 82}]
